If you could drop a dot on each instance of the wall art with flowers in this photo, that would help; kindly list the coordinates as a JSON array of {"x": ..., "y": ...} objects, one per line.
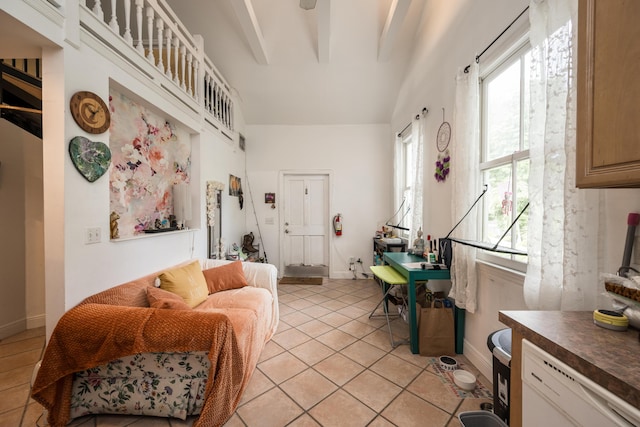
[{"x": 149, "y": 156}]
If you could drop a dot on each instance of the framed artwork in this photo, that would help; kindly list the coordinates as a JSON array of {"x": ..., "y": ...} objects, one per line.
[
  {"x": 241, "y": 141},
  {"x": 149, "y": 156},
  {"x": 235, "y": 186},
  {"x": 269, "y": 197}
]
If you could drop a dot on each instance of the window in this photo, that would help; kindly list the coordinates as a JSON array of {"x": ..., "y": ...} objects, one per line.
[
  {"x": 504, "y": 160},
  {"x": 407, "y": 174}
]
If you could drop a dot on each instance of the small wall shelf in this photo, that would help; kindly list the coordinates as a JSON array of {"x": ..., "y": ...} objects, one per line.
[{"x": 147, "y": 235}]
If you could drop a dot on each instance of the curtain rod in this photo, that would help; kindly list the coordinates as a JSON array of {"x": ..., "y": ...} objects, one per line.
[
  {"x": 466, "y": 69},
  {"x": 424, "y": 112}
]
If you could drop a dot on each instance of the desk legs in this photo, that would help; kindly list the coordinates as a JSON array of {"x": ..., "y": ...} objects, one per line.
[{"x": 413, "y": 318}]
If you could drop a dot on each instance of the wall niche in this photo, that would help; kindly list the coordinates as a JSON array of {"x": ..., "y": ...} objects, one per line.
[{"x": 151, "y": 161}]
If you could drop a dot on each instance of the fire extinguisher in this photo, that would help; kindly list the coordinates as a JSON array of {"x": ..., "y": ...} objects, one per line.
[{"x": 337, "y": 225}]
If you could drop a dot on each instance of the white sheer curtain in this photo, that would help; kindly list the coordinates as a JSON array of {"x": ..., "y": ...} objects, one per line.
[
  {"x": 417, "y": 186},
  {"x": 465, "y": 174},
  {"x": 398, "y": 172},
  {"x": 564, "y": 261}
]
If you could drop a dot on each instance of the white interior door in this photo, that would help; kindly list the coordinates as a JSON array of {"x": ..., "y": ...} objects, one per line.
[{"x": 305, "y": 224}]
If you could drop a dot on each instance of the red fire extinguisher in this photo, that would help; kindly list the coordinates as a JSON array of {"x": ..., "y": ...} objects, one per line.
[{"x": 337, "y": 225}]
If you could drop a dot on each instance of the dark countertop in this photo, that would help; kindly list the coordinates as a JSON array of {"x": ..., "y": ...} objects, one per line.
[{"x": 609, "y": 358}]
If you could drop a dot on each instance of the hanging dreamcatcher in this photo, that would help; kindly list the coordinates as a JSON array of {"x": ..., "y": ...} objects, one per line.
[{"x": 442, "y": 143}]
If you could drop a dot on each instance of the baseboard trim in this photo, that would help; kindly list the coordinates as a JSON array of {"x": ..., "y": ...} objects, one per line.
[
  {"x": 36, "y": 321},
  {"x": 479, "y": 360},
  {"x": 13, "y": 328}
]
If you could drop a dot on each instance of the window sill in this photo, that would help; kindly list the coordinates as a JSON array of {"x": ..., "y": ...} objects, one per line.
[{"x": 501, "y": 273}]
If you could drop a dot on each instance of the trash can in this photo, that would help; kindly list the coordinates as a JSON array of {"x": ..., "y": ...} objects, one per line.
[
  {"x": 499, "y": 342},
  {"x": 480, "y": 419}
]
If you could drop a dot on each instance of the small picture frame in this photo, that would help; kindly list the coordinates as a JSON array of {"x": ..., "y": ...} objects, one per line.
[
  {"x": 269, "y": 197},
  {"x": 241, "y": 141},
  {"x": 235, "y": 186}
]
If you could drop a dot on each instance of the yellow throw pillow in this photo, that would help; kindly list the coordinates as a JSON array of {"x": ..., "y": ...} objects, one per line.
[{"x": 187, "y": 281}]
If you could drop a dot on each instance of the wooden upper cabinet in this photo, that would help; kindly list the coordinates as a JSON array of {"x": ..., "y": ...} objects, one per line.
[{"x": 608, "y": 133}]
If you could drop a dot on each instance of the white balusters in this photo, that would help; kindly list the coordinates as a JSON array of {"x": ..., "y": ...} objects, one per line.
[
  {"x": 210, "y": 95},
  {"x": 169, "y": 38},
  {"x": 183, "y": 51},
  {"x": 113, "y": 23},
  {"x": 225, "y": 111},
  {"x": 97, "y": 9},
  {"x": 139, "y": 6},
  {"x": 176, "y": 56},
  {"x": 160, "y": 27},
  {"x": 150, "y": 15},
  {"x": 218, "y": 103},
  {"x": 188, "y": 74},
  {"x": 127, "y": 22},
  {"x": 196, "y": 81}
]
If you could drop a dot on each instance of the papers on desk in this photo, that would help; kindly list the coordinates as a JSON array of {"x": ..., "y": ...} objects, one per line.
[{"x": 424, "y": 266}]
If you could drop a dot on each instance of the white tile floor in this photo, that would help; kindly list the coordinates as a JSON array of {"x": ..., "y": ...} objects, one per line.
[{"x": 328, "y": 365}]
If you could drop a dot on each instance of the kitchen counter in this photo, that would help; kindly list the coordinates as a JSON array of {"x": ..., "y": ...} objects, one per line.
[{"x": 609, "y": 358}]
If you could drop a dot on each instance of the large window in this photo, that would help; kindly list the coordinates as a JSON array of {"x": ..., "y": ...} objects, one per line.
[
  {"x": 408, "y": 165},
  {"x": 504, "y": 163}
]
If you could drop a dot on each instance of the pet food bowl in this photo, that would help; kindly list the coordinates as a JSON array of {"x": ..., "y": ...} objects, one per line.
[
  {"x": 448, "y": 363},
  {"x": 464, "y": 379}
]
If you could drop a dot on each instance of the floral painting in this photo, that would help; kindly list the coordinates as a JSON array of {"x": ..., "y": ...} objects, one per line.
[{"x": 149, "y": 156}]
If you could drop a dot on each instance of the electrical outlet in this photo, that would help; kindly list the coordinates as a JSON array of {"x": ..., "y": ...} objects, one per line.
[
  {"x": 92, "y": 235},
  {"x": 352, "y": 260},
  {"x": 352, "y": 267}
]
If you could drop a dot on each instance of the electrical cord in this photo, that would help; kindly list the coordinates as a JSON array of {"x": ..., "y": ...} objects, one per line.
[{"x": 255, "y": 215}]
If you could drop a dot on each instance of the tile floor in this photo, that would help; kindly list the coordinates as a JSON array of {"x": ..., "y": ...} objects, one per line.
[{"x": 327, "y": 365}]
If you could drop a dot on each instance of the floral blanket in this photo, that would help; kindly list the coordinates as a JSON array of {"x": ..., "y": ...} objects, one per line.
[
  {"x": 90, "y": 335},
  {"x": 156, "y": 384}
]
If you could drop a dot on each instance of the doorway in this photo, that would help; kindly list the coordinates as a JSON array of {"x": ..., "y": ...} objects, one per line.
[{"x": 305, "y": 224}]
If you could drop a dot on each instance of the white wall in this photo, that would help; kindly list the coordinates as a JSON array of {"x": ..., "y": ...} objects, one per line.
[
  {"x": 34, "y": 232},
  {"x": 13, "y": 141},
  {"x": 73, "y": 270},
  {"x": 360, "y": 158},
  {"x": 453, "y": 33},
  {"x": 91, "y": 268}
]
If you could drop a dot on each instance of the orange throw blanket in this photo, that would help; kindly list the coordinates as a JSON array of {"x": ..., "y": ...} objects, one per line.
[{"x": 89, "y": 335}]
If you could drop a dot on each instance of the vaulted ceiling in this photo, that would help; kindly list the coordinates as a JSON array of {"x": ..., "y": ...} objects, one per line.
[{"x": 341, "y": 62}]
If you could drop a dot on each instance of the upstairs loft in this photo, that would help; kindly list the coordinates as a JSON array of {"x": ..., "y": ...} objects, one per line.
[{"x": 148, "y": 37}]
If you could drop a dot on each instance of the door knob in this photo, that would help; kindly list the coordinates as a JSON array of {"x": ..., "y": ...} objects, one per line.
[
  {"x": 286, "y": 231},
  {"x": 286, "y": 223}
]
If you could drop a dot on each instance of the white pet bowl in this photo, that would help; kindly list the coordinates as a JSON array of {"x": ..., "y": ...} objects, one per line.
[{"x": 464, "y": 379}]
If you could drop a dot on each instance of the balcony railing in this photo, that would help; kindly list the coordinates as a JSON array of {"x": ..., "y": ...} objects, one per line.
[{"x": 149, "y": 35}]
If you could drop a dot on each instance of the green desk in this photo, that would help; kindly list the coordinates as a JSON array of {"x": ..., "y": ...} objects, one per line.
[{"x": 413, "y": 275}]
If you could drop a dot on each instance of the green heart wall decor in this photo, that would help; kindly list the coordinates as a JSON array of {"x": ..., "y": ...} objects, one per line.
[{"x": 90, "y": 158}]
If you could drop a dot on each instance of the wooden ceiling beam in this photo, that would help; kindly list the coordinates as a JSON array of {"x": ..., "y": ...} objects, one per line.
[
  {"x": 323, "y": 9},
  {"x": 251, "y": 28},
  {"x": 397, "y": 13}
]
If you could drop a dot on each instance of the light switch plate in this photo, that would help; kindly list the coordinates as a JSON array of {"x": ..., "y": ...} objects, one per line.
[{"x": 92, "y": 235}]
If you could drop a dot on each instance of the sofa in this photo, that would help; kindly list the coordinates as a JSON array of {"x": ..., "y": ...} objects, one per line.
[{"x": 146, "y": 348}]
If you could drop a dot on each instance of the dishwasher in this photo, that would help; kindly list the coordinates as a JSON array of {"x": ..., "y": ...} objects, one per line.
[{"x": 554, "y": 394}]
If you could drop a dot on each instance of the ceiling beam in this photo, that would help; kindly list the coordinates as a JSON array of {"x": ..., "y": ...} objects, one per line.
[
  {"x": 249, "y": 23},
  {"x": 323, "y": 9},
  {"x": 397, "y": 13}
]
